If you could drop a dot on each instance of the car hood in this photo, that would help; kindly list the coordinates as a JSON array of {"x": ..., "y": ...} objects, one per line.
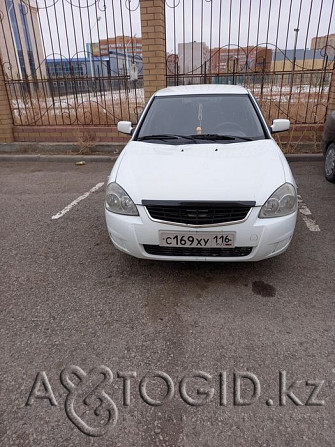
[{"x": 248, "y": 171}]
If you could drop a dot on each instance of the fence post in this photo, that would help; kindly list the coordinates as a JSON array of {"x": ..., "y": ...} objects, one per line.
[
  {"x": 153, "y": 45},
  {"x": 331, "y": 97},
  {"x": 6, "y": 119}
]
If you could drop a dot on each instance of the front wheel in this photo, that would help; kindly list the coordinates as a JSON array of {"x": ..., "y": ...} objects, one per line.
[{"x": 330, "y": 163}]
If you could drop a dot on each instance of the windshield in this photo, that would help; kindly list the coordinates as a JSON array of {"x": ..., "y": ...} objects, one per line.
[{"x": 224, "y": 118}]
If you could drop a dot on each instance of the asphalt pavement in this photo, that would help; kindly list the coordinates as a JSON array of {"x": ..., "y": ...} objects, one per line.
[{"x": 99, "y": 348}]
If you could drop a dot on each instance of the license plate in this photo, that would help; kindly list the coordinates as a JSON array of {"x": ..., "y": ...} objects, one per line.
[{"x": 198, "y": 240}]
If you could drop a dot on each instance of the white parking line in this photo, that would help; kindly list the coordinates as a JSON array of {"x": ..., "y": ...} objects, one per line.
[
  {"x": 307, "y": 216},
  {"x": 75, "y": 202}
]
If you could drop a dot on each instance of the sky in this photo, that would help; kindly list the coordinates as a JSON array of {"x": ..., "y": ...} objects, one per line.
[
  {"x": 250, "y": 22},
  {"x": 68, "y": 24}
]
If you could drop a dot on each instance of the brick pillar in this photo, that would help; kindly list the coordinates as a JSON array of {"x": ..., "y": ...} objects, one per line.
[
  {"x": 331, "y": 97},
  {"x": 153, "y": 45},
  {"x": 6, "y": 119}
]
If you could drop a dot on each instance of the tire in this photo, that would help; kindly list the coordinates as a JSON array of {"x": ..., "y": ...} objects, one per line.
[{"x": 330, "y": 163}]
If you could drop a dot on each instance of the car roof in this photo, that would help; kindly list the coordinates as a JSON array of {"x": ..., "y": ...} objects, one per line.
[{"x": 202, "y": 89}]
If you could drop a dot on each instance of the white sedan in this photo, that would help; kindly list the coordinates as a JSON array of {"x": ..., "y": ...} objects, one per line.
[{"x": 201, "y": 179}]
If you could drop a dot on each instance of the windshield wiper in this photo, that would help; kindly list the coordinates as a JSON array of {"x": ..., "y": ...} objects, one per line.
[
  {"x": 166, "y": 137},
  {"x": 194, "y": 138},
  {"x": 216, "y": 137}
]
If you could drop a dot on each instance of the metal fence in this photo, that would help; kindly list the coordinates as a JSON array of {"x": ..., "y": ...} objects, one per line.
[
  {"x": 80, "y": 61},
  {"x": 282, "y": 50},
  {"x": 71, "y": 61}
]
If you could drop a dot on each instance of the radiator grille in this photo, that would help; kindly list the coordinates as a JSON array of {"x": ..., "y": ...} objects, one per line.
[
  {"x": 198, "y": 213},
  {"x": 198, "y": 252}
]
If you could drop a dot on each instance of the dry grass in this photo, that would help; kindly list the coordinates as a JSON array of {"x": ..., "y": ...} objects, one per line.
[
  {"x": 86, "y": 140},
  {"x": 307, "y": 140},
  {"x": 305, "y": 111},
  {"x": 101, "y": 109}
]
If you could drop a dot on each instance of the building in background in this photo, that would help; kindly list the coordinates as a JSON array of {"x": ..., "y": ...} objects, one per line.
[
  {"x": 304, "y": 60},
  {"x": 318, "y": 43},
  {"x": 193, "y": 59},
  {"x": 93, "y": 74},
  {"x": 20, "y": 40},
  {"x": 172, "y": 69},
  {"x": 309, "y": 66},
  {"x": 171, "y": 64},
  {"x": 123, "y": 55},
  {"x": 131, "y": 45},
  {"x": 240, "y": 59}
]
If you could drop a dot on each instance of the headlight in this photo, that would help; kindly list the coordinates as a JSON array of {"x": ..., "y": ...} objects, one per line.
[
  {"x": 282, "y": 202},
  {"x": 117, "y": 201}
]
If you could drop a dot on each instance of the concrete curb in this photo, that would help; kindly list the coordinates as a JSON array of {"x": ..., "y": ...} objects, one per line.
[
  {"x": 110, "y": 158},
  {"x": 60, "y": 148},
  {"x": 304, "y": 157},
  {"x": 57, "y": 158}
]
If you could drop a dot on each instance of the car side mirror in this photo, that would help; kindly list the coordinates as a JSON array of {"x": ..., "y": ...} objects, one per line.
[
  {"x": 125, "y": 127},
  {"x": 280, "y": 125}
]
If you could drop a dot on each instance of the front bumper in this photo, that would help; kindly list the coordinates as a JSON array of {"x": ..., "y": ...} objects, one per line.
[{"x": 265, "y": 237}]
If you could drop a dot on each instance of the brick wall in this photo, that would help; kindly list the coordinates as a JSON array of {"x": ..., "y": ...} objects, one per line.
[
  {"x": 300, "y": 138},
  {"x": 6, "y": 120},
  {"x": 69, "y": 134},
  {"x": 153, "y": 45}
]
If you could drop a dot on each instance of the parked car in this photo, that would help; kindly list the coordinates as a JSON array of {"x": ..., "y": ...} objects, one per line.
[
  {"x": 201, "y": 179},
  {"x": 328, "y": 147}
]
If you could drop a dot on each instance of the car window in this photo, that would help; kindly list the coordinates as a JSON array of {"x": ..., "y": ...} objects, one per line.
[{"x": 202, "y": 114}]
